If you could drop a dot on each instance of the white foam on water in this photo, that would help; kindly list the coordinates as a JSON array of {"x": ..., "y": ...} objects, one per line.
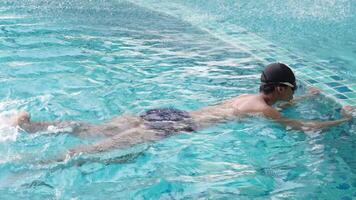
[
  {"x": 8, "y": 132},
  {"x": 55, "y": 129},
  {"x": 2, "y": 17},
  {"x": 18, "y": 63}
]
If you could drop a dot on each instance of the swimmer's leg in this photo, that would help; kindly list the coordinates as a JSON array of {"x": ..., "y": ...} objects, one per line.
[
  {"x": 117, "y": 125},
  {"x": 23, "y": 120},
  {"x": 57, "y": 126},
  {"x": 123, "y": 140},
  {"x": 20, "y": 118},
  {"x": 110, "y": 128}
]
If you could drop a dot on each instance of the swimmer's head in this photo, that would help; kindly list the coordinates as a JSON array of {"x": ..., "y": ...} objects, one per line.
[{"x": 277, "y": 74}]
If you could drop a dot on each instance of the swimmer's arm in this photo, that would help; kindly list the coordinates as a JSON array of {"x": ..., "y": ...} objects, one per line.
[
  {"x": 313, "y": 91},
  {"x": 306, "y": 125},
  {"x": 310, "y": 125}
]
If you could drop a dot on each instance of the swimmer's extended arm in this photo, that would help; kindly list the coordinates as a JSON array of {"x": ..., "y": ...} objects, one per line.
[
  {"x": 308, "y": 125},
  {"x": 311, "y": 93}
]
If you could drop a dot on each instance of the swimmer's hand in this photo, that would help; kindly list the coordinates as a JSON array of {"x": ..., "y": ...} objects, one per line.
[
  {"x": 347, "y": 111},
  {"x": 314, "y": 91}
]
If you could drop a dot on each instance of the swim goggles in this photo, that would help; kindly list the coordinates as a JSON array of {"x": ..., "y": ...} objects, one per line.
[{"x": 293, "y": 86}]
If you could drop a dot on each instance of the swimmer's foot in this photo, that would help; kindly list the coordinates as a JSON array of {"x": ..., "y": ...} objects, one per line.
[{"x": 20, "y": 118}]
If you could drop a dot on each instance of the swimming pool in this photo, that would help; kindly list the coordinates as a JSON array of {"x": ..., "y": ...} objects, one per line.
[{"x": 93, "y": 60}]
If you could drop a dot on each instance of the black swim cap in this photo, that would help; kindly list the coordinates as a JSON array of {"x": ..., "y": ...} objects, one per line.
[{"x": 275, "y": 73}]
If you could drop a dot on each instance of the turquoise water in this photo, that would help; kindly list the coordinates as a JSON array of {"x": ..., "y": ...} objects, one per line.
[
  {"x": 93, "y": 60},
  {"x": 321, "y": 31}
]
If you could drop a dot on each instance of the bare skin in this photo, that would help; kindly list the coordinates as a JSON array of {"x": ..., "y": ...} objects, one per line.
[{"x": 125, "y": 131}]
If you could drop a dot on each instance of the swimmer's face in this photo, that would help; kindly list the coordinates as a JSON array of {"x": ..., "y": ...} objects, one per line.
[
  {"x": 289, "y": 90},
  {"x": 290, "y": 93},
  {"x": 286, "y": 93}
]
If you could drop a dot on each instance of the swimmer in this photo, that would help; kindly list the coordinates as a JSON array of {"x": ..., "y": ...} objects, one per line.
[{"x": 278, "y": 84}]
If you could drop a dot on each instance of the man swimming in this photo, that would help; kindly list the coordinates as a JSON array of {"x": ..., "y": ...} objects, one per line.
[{"x": 278, "y": 83}]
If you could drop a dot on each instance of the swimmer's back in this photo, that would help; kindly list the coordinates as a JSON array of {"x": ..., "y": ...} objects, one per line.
[{"x": 230, "y": 109}]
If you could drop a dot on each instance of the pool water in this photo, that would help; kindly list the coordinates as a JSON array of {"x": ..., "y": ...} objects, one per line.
[
  {"x": 93, "y": 60},
  {"x": 320, "y": 31}
]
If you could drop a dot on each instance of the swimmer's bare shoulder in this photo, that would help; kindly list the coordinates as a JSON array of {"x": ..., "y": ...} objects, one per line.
[
  {"x": 234, "y": 102},
  {"x": 252, "y": 104}
]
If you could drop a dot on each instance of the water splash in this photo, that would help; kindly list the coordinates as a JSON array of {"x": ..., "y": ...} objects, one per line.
[{"x": 8, "y": 132}]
